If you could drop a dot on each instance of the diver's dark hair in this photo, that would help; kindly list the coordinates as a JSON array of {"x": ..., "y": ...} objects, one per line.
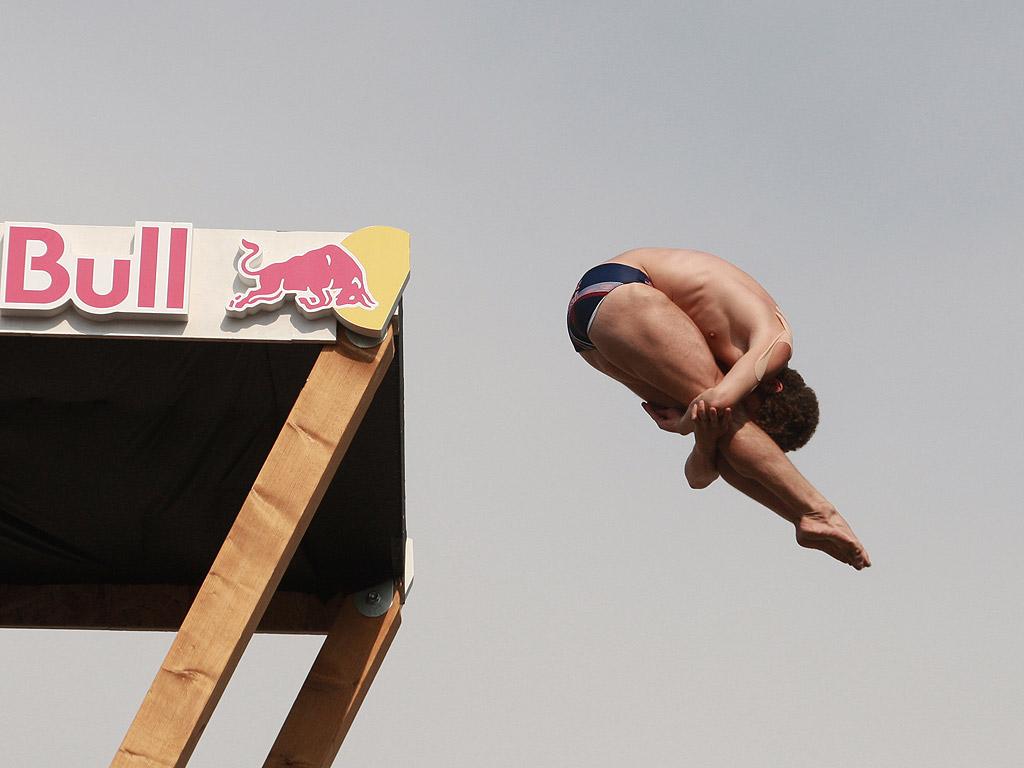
[{"x": 790, "y": 416}]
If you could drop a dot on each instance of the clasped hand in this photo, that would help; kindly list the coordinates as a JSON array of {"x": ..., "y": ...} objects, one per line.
[{"x": 707, "y": 422}]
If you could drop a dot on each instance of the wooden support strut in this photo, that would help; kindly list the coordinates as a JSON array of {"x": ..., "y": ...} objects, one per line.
[
  {"x": 335, "y": 687},
  {"x": 254, "y": 556}
]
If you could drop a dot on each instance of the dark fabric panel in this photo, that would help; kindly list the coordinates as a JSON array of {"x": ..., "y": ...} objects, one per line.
[
  {"x": 355, "y": 541},
  {"x": 126, "y": 461}
]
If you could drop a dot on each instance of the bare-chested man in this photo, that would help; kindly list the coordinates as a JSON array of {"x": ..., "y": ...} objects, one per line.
[{"x": 667, "y": 323}]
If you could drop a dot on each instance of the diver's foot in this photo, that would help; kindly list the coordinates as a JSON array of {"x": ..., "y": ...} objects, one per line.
[{"x": 829, "y": 533}]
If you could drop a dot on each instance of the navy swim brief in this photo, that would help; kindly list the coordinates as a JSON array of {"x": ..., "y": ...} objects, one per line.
[{"x": 590, "y": 292}]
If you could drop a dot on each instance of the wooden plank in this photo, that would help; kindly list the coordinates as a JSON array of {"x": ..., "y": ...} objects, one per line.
[
  {"x": 147, "y": 607},
  {"x": 254, "y": 556},
  {"x": 335, "y": 688}
]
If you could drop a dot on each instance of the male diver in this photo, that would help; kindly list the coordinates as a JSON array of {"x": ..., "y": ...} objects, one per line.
[{"x": 667, "y": 323}]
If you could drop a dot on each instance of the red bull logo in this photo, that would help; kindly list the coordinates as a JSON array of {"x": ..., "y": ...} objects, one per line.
[
  {"x": 320, "y": 280},
  {"x": 71, "y": 280}
]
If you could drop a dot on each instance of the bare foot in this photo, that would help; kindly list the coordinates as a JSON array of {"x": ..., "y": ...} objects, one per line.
[{"x": 831, "y": 534}]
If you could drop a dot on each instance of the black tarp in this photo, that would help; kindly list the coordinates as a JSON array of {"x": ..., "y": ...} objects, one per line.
[{"x": 126, "y": 461}]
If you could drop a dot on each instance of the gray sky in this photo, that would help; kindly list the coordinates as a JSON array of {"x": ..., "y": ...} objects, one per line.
[{"x": 575, "y": 603}]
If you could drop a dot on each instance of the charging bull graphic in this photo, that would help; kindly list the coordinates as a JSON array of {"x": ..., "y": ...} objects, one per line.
[{"x": 320, "y": 280}]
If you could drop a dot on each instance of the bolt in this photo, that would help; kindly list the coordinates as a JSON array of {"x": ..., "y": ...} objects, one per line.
[{"x": 373, "y": 597}]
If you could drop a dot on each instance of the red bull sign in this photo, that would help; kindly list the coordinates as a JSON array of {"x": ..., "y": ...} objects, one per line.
[{"x": 168, "y": 279}]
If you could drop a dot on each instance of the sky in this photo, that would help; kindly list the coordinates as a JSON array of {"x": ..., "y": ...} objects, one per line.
[{"x": 575, "y": 603}]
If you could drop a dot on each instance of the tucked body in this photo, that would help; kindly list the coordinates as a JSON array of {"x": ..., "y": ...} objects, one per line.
[{"x": 694, "y": 335}]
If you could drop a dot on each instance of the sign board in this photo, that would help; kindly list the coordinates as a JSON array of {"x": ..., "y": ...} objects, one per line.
[{"x": 170, "y": 280}]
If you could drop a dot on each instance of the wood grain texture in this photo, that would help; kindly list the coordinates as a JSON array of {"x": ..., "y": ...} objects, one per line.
[
  {"x": 335, "y": 688},
  {"x": 254, "y": 556}
]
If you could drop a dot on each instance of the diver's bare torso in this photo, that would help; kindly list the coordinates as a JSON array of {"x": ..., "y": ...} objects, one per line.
[{"x": 728, "y": 306}]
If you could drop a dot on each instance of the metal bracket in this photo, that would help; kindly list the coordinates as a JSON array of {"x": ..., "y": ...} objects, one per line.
[
  {"x": 410, "y": 570},
  {"x": 375, "y": 601},
  {"x": 365, "y": 342}
]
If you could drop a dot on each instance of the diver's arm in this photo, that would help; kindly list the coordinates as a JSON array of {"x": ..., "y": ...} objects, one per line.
[{"x": 709, "y": 424}]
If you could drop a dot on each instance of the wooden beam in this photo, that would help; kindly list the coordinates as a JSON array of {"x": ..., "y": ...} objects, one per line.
[
  {"x": 335, "y": 688},
  {"x": 254, "y": 556}
]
